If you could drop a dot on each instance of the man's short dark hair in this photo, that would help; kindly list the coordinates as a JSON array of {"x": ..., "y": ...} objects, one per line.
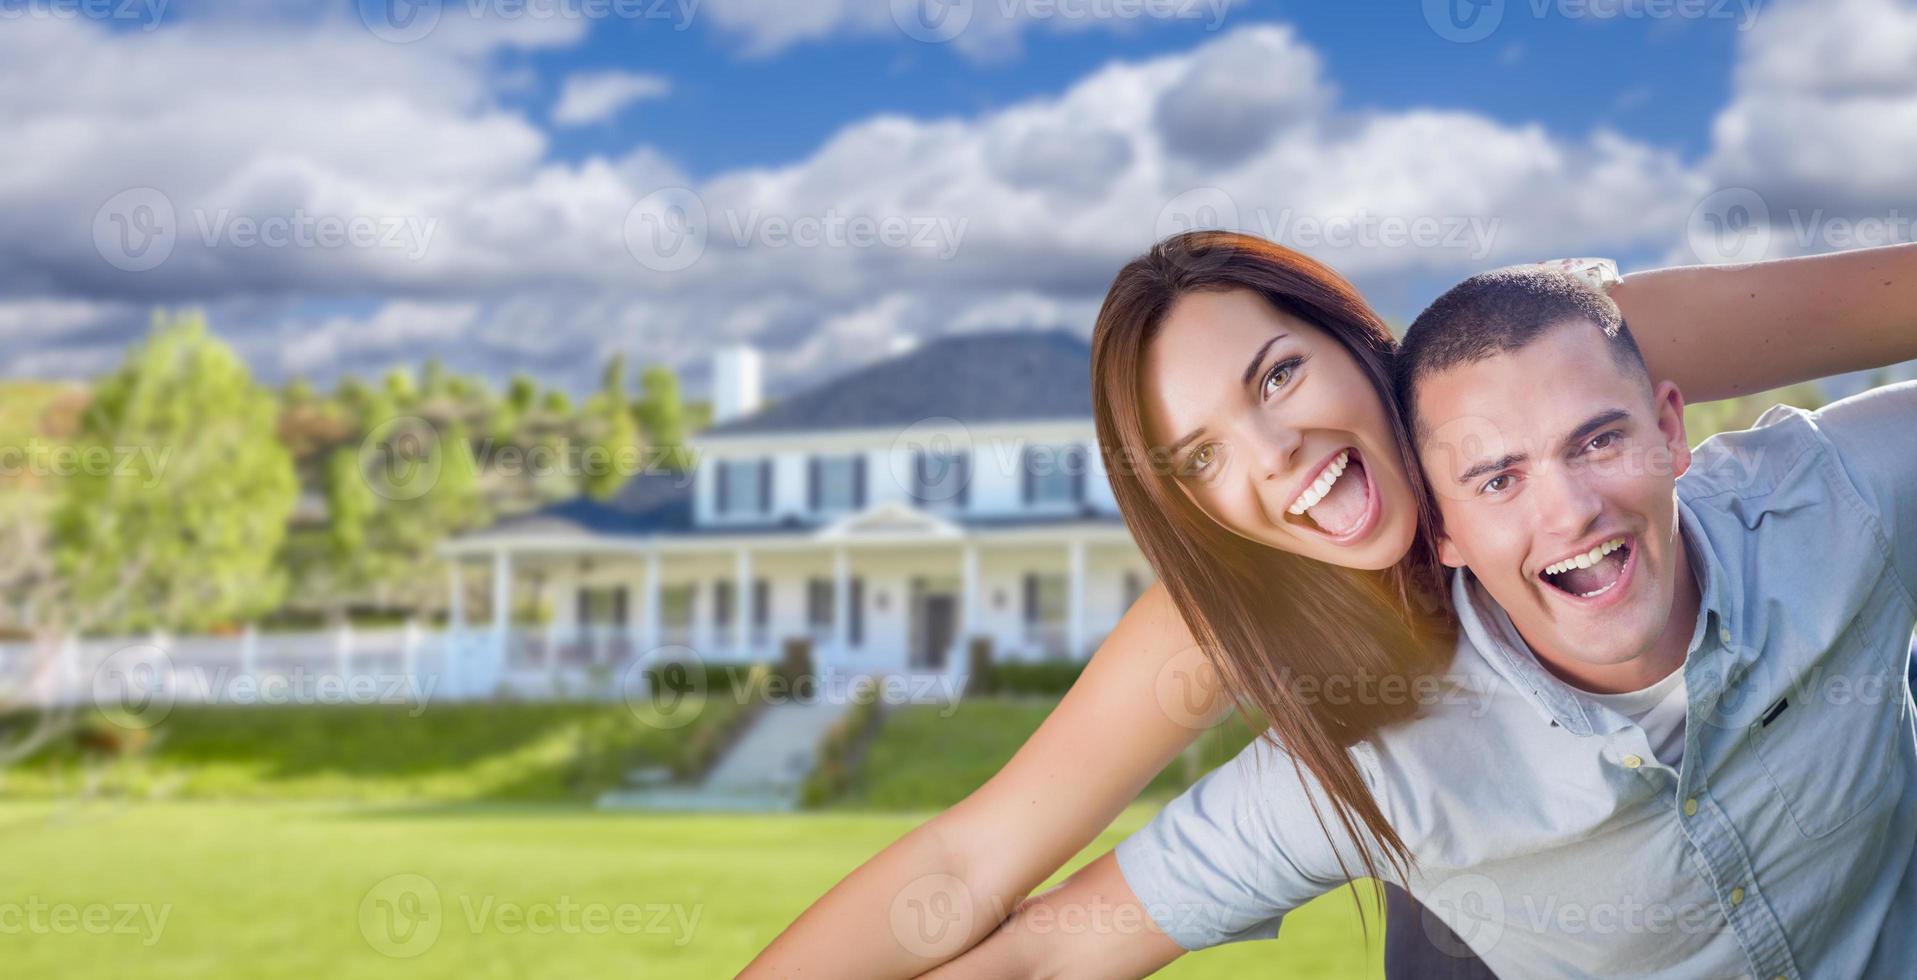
[{"x": 1500, "y": 312}]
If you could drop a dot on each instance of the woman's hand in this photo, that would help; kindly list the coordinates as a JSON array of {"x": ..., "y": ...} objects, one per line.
[{"x": 1147, "y": 693}]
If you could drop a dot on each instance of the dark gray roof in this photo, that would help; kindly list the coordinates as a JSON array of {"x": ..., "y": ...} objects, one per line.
[{"x": 1005, "y": 375}]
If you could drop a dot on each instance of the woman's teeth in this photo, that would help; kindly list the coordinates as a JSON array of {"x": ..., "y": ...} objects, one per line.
[
  {"x": 1321, "y": 486},
  {"x": 1587, "y": 559}
]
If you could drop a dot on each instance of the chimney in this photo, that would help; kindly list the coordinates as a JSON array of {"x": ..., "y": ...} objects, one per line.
[{"x": 735, "y": 382}]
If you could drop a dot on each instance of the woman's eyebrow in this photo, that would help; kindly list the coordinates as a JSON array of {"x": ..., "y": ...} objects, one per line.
[{"x": 1259, "y": 357}]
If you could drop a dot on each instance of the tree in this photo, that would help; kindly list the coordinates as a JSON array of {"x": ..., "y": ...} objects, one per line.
[
  {"x": 662, "y": 416},
  {"x": 182, "y": 531}
]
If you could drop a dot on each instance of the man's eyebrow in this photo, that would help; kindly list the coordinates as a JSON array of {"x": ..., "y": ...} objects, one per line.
[
  {"x": 1593, "y": 424},
  {"x": 1505, "y": 461},
  {"x": 1257, "y": 358}
]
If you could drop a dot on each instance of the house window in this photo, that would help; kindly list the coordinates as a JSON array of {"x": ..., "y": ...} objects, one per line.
[
  {"x": 602, "y": 606},
  {"x": 941, "y": 477},
  {"x": 1045, "y": 613},
  {"x": 745, "y": 486},
  {"x": 675, "y": 613},
  {"x": 855, "y": 628},
  {"x": 1053, "y": 474},
  {"x": 761, "y": 611},
  {"x": 836, "y": 483}
]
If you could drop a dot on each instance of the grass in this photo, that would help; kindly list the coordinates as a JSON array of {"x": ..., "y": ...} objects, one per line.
[
  {"x": 929, "y": 757},
  {"x": 444, "y": 752},
  {"x": 293, "y": 890}
]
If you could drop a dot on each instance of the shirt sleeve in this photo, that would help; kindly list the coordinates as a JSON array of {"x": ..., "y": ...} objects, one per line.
[
  {"x": 1231, "y": 855},
  {"x": 1875, "y": 438}
]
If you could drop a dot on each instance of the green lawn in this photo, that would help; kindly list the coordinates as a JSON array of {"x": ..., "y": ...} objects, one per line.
[
  {"x": 929, "y": 757},
  {"x": 255, "y": 889},
  {"x": 544, "y": 751}
]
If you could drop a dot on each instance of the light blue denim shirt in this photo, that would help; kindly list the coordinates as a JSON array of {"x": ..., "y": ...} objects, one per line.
[{"x": 1547, "y": 834}]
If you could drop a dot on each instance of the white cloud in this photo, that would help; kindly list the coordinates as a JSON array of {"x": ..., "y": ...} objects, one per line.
[
  {"x": 979, "y": 29},
  {"x": 598, "y": 96}
]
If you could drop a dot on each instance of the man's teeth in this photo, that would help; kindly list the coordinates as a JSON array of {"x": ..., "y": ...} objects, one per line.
[
  {"x": 1587, "y": 559},
  {"x": 1321, "y": 486}
]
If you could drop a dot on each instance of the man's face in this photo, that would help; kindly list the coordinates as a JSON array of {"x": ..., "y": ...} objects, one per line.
[{"x": 1555, "y": 472}]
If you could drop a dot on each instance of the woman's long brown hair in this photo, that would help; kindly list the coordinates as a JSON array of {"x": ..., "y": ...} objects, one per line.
[{"x": 1276, "y": 626}]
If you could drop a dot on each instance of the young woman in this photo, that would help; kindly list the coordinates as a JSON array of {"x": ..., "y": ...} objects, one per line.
[{"x": 1230, "y": 375}]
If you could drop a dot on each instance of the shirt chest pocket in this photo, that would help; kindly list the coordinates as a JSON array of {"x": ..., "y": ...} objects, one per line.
[{"x": 1827, "y": 739}]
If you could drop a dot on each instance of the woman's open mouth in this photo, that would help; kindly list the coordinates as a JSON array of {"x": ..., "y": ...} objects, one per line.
[
  {"x": 1594, "y": 576},
  {"x": 1341, "y": 501}
]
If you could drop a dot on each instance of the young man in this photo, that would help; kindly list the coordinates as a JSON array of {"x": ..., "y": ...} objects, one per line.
[{"x": 1694, "y": 755}]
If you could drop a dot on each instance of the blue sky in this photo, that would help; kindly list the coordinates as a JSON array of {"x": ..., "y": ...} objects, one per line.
[{"x": 508, "y": 175}]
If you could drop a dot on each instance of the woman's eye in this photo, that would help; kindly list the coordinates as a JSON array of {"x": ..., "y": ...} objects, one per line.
[
  {"x": 1280, "y": 374},
  {"x": 1198, "y": 460}
]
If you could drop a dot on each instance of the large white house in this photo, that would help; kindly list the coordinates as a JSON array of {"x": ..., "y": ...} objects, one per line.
[{"x": 949, "y": 492}]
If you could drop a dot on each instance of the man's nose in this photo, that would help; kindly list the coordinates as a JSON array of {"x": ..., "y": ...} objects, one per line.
[{"x": 1568, "y": 505}]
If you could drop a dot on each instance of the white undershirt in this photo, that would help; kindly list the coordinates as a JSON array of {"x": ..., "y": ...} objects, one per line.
[{"x": 1659, "y": 710}]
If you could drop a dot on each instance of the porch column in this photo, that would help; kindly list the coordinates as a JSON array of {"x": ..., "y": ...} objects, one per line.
[
  {"x": 650, "y": 625},
  {"x": 502, "y": 605},
  {"x": 841, "y": 602},
  {"x": 1075, "y": 599},
  {"x": 456, "y": 597},
  {"x": 968, "y": 603},
  {"x": 742, "y": 601}
]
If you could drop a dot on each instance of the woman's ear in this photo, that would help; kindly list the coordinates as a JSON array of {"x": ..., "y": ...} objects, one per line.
[{"x": 1670, "y": 423}]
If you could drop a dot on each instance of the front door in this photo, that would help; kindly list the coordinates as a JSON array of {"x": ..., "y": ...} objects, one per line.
[{"x": 938, "y": 619}]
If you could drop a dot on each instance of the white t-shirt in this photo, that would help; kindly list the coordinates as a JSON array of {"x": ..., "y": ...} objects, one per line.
[{"x": 1659, "y": 710}]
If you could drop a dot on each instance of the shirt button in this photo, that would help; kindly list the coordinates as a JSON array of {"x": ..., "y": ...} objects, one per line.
[
  {"x": 1737, "y": 896},
  {"x": 1632, "y": 762},
  {"x": 1724, "y": 633},
  {"x": 1690, "y": 807}
]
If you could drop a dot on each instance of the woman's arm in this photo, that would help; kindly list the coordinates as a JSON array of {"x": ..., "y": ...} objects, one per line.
[
  {"x": 1146, "y": 695},
  {"x": 1091, "y": 925},
  {"x": 1722, "y": 331}
]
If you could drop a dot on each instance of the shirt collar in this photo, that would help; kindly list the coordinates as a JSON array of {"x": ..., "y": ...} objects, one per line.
[{"x": 1489, "y": 629}]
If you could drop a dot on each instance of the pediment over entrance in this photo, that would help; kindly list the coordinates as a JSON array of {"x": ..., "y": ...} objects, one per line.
[{"x": 890, "y": 519}]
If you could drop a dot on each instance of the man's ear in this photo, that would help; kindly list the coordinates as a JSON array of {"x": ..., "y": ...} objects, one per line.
[
  {"x": 1669, "y": 403},
  {"x": 1448, "y": 553}
]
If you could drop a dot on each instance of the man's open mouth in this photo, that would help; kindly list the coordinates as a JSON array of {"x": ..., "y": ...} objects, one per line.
[
  {"x": 1593, "y": 573},
  {"x": 1339, "y": 501}
]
